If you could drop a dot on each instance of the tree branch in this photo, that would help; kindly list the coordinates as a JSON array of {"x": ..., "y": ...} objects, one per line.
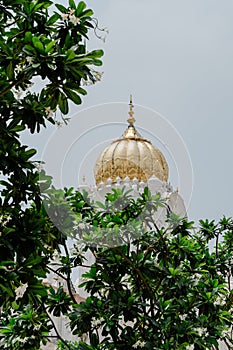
[
  {"x": 68, "y": 280},
  {"x": 136, "y": 269},
  {"x": 56, "y": 331}
]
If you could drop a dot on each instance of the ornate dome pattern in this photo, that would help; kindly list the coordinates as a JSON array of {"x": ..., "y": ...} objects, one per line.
[{"x": 131, "y": 156}]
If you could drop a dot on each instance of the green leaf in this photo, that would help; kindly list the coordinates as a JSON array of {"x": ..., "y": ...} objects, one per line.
[
  {"x": 38, "y": 289},
  {"x": 95, "y": 54},
  {"x": 28, "y": 49},
  {"x": 63, "y": 103},
  {"x": 76, "y": 72},
  {"x": 73, "y": 96},
  {"x": 70, "y": 55},
  {"x": 94, "y": 340},
  {"x": 80, "y": 8},
  {"x": 72, "y": 4},
  {"x": 30, "y": 153},
  {"x": 87, "y": 13},
  {"x": 18, "y": 128},
  {"x": 53, "y": 19},
  {"x": 10, "y": 71},
  {"x": 28, "y": 37},
  {"x": 50, "y": 46},
  {"x": 61, "y": 8},
  {"x": 38, "y": 44},
  {"x": 98, "y": 63},
  {"x": 7, "y": 290},
  {"x": 5, "y": 48},
  {"x": 75, "y": 87}
]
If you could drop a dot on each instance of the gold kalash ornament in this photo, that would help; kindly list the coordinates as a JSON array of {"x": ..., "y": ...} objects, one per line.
[{"x": 130, "y": 156}]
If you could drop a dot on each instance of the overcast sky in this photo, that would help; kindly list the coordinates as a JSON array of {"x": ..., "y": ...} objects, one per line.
[{"x": 175, "y": 57}]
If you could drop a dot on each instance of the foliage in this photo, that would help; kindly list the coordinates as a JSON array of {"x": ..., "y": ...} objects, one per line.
[
  {"x": 150, "y": 287},
  {"x": 167, "y": 289},
  {"x": 46, "y": 48}
]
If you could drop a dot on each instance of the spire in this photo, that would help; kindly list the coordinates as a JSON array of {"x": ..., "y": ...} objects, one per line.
[{"x": 131, "y": 119}]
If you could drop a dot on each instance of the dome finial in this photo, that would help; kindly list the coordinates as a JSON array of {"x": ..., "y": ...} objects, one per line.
[{"x": 131, "y": 119}]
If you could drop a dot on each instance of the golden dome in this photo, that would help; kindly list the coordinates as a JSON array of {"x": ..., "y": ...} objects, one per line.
[{"x": 131, "y": 156}]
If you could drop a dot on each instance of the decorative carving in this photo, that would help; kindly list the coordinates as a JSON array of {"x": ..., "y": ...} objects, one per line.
[{"x": 131, "y": 156}]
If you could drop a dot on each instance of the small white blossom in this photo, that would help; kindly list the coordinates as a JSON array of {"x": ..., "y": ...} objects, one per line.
[
  {"x": 64, "y": 16},
  {"x": 74, "y": 19},
  {"x": 183, "y": 317},
  {"x": 225, "y": 333},
  {"x": 71, "y": 12},
  {"x": 19, "y": 92},
  {"x": 4, "y": 220},
  {"x": 81, "y": 226},
  {"x": 48, "y": 112},
  {"x": 97, "y": 322},
  {"x": 139, "y": 344},
  {"x": 18, "y": 68},
  {"x": 59, "y": 124},
  {"x": 21, "y": 290},
  {"x": 23, "y": 340},
  {"x": 56, "y": 255},
  {"x": 37, "y": 327},
  {"x": 29, "y": 59},
  {"x": 190, "y": 347},
  {"x": 86, "y": 82},
  {"x": 201, "y": 331},
  {"x": 40, "y": 167},
  {"x": 98, "y": 76}
]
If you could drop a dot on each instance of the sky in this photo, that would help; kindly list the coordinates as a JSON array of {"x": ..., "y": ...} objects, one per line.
[{"x": 176, "y": 59}]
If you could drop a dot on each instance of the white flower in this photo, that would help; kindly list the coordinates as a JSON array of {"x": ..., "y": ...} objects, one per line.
[
  {"x": 81, "y": 226},
  {"x": 183, "y": 317},
  {"x": 201, "y": 331},
  {"x": 18, "y": 92},
  {"x": 59, "y": 124},
  {"x": 139, "y": 344},
  {"x": 40, "y": 167},
  {"x": 98, "y": 76},
  {"x": 97, "y": 322},
  {"x": 23, "y": 340},
  {"x": 71, "y": 12},
  {"x": 29, "y": 59},
  {"x": 64, "y": 16},
  {"x": 18, "y": 68},
  {"x": 56, "y": 255},
  {"x": 74, "y": 19},
  {"x": 21, "y": 290},
  {"x": 37, "y": 327},
  {"x": 48, "y": 112},
  {"x": 190, "y": 347},
  {"x": 4, "y": 220},
  {"x": 86, "y": 82}
]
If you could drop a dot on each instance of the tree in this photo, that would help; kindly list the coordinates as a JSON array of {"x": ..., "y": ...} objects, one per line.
[
  {"x": 150, "y": 287},
  {"x": 34, "y": 44}
]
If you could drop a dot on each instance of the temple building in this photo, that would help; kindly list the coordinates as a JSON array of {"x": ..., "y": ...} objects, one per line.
[{"x": 132, "y": 162}]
